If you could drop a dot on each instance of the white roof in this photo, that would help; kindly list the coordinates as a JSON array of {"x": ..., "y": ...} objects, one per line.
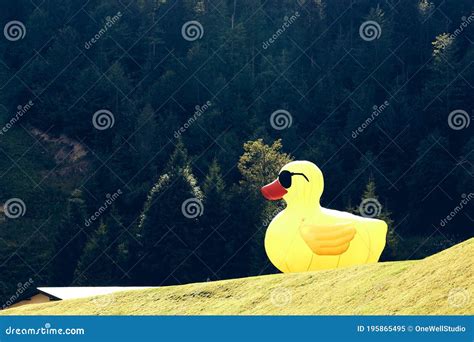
[{"x": 86, "y": 291}]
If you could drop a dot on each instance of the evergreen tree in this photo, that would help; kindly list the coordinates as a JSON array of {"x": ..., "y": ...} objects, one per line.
[
  {"x": 104, "y": 259},
  {"x": 425, "y": 182},
  {"x": 169, "y": 226},
  {"x": 215, "y": 222},
  {"x": 145, "y": 145},
  {"x": 69, "y": 241},
  {"x": 93, "y": 267},
  {"x": 444, "y": 90},
  {"x": 391, "y": 250}
]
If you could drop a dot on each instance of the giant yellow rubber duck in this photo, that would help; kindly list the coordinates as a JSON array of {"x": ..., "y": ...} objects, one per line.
[{"x": 307, "y": 237}]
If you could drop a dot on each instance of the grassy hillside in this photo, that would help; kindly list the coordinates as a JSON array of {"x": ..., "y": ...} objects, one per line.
[
  {"x": 40, "y": 172},
  {"x": 440, "y": 284}
]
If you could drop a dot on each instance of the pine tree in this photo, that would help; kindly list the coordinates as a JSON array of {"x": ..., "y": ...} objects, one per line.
[
  {"x": 425, "y": 181},
  {"x": 93, "y": 268},
  {"x": 104, "y": 258},
  {"x": 443, "y": 90},
  {"x": 215, "y": 222},
  {"x": 146, "y": 132},
  {"x": 169, "y": 226},
  {"x": 383, "y": 214},
  {"x": 69, "y": 241}
]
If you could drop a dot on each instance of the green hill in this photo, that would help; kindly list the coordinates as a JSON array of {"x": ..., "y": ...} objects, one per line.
[{"x": 440, "y": 284}]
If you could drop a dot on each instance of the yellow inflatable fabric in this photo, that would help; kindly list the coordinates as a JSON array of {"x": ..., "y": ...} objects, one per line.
[{"x": 307, "y": 237}]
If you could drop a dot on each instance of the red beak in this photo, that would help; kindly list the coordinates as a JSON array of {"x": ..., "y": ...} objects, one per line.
[{"x": 273, "y": 191}]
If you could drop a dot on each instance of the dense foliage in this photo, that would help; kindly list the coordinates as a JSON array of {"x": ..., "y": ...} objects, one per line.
[{"x": 183, "y": 110}]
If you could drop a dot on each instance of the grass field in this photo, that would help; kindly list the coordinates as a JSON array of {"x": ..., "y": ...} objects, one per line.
[{"x": 442, "y": 284}]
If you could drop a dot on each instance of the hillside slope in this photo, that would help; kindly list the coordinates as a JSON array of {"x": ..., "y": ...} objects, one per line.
[{"x": 440, "y": 284}]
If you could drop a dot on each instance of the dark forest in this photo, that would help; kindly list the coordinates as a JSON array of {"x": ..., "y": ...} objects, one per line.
[{"x": 136, "y": 134}]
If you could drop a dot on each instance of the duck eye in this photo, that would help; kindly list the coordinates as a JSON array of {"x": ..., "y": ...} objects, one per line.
[{"x": 285, "y": 179}]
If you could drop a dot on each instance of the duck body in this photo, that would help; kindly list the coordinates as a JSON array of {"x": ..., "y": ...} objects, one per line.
[
  {"x": 307, "y": 237},
  {"x": 289, "y": 252}
]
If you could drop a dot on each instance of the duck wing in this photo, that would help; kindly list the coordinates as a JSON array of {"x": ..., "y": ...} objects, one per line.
[{"x": 333, "y": 239}]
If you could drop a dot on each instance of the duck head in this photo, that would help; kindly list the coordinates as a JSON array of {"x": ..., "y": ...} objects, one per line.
[{"x": 300, "y": 183}]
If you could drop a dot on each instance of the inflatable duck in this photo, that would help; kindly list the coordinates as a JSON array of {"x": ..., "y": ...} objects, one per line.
[{"x": 307, "y": 237}]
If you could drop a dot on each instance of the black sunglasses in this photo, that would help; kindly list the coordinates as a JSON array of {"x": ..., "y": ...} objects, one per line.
[{"x": 285, "y": 178}]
